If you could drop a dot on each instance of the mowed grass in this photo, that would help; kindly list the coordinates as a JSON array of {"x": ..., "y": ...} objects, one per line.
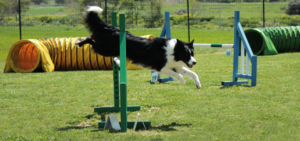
[{"x": 59, "y": 105}]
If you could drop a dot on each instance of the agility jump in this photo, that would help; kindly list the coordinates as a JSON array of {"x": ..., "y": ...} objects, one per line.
[
  {"x": 120, "y": 88},
  {"x": 245, "y": 46},
  {"x": 239, "y": 33}
]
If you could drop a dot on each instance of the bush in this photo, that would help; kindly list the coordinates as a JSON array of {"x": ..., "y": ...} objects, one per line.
[
  {"x": 229, "y": 22},
  {"x": 249, "y": 22},
  {"x": 207, "y": 18},
  {"x": 289, "y": 20},
  {"x": 181, "y": 11},
  {"x": 293, "y": 8},
  {"x": 178, "y": 19},
  {"x": 43, "y": 20},
  {"x": 182, "y": 19},
  {"x": 211, "y": 26}
]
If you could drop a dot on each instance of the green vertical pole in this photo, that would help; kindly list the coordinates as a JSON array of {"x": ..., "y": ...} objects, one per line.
[
  {"x": 115, "y": 68},
  {"x": 123, "y": 83},
  {"x": 114, "y": 19},
  {"x": 116, "y": 84}
]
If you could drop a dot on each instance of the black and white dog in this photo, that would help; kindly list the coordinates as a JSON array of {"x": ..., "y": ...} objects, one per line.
[{"x": 166, "y": 56}]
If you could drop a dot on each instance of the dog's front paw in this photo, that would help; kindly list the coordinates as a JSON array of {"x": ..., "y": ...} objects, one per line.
[
  {"x": 77, "y": 45},
  {"x": 182, "y": 82},
  {"x": 79, "y": 42},
  {"x": 198, "y": 85}
]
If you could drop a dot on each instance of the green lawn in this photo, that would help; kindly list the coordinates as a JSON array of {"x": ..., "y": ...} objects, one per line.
[{"x": 59, "y": 105}]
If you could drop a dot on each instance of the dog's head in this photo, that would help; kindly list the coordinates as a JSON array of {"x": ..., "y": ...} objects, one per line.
[{"x": 185, "y": 52}]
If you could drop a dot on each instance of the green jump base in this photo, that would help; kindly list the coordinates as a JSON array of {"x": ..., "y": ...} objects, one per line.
[
  {"x": 234, "y": 82},
  {"x": 130, "y": 124},
  {"x": 116, "y": 109}
]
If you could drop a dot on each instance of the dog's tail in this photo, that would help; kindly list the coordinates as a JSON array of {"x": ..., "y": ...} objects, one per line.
[{"x": 92, "y": 20}]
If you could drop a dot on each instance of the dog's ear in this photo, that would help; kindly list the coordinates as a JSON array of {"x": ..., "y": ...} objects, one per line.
[{"x": 191, "y": 44}]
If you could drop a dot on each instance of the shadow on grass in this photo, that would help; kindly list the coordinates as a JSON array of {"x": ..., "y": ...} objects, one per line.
[
  {"x": 166, "y": 128},
  {"x": 158, "y": 83},
  {"x": 231, "y": 86},
  {"x": 102, "y": 118},
  {"x": 74, "y": 127},
  {"x": 169, "y": 127}
]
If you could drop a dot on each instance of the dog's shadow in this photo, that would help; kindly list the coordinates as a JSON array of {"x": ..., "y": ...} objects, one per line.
[
  {"x": 169, "y": 127},
  {"x": 149, "y": 81}
]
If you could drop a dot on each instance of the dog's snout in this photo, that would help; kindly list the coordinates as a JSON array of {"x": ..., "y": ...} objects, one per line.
[{"x": 194, "y": 63}]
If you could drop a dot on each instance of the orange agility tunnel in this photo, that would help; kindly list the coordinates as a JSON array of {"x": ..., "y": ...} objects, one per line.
[{"x": 51, "y": 54}]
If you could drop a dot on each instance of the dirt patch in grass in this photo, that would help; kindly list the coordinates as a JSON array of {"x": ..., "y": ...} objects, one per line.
[
  {"x": 83, "y": 124},
  {"x": 155, "y": 108}
]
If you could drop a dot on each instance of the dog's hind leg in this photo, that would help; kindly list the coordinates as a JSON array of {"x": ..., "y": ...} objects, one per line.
[
  {"x": 186, "y": 72},
  {"x": 82, "y": 41},
  {"x": 174, "y": 74}
]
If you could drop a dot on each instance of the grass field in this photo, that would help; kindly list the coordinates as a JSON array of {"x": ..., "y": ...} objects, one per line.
[{"x": 59, "y": 105}]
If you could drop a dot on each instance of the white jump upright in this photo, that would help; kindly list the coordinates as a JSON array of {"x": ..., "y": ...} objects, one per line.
[{"x": 242, "y": 60}]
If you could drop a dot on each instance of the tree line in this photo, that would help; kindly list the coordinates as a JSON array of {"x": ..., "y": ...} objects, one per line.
[{"x": 133, "y": 8}]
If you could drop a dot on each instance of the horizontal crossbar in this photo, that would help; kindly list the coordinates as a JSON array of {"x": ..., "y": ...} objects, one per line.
[
  {"x": 162, "y": 80},
  {"x": 116, "y": 109},
  {"x": 244, "y": 76},
  {"x": 234, "y": 82}
]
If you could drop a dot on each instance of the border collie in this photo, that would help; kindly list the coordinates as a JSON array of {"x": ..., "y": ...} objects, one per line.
[{"x": 166, "y": 56}]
